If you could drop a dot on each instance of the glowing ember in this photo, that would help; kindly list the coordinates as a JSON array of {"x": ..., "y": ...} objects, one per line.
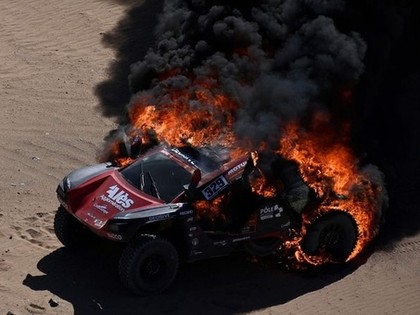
[
  {"x": 261, "y": 187},
  {"x": 210, "y": 210},
  {"x": 211, "y": 206}
]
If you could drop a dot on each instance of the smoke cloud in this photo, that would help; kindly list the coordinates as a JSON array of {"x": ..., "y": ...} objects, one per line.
[{"x": 277, "y": 59}]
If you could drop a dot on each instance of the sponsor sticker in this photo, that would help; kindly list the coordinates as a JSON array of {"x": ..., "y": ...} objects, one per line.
[
  {"x": 118, "y": 198},
  {"x": 101, "y": 208},
  {"x": 188, "y": 212},
  {"x": 159, "y": 217},
  {"x": 184, "y": 156},
  {"x": 237, "y": 168},
  {"x": 117, "y": 237},
  {"x": 118, "y": 195},
  {"x": 269, "y": 212},
  {"x": 98, "y": 223}
]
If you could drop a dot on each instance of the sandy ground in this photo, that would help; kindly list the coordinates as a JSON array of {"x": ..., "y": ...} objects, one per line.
[{"x": 52, "y": 59}]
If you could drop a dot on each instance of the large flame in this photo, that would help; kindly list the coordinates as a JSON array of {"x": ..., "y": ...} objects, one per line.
[
  {"x": 197, "y": 114},
  {"x": 329, "y": 167}
]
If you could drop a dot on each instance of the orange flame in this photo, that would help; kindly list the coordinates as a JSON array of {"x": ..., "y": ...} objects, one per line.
[
  {"x": 259, "y": 183},
  {"x": 329, "y": 167},
  {"x": 261, "y": 187},
  {"x": 177, "y": 119},
  {"x": 209, "y": 209}
]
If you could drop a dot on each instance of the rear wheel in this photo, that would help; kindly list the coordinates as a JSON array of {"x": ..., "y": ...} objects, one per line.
[
  {"x": 333, "y": 234},
  {"x": 148, "y": 265},
  {"x": 68, "y": 230}
]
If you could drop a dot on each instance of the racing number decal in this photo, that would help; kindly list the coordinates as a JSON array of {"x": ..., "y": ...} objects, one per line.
[{"x": 214, "y": 187}]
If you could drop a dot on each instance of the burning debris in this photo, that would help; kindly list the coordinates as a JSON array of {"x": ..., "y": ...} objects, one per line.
[
  {"x": 328, "y": 166},
  {"x": 273, "y": 77}
]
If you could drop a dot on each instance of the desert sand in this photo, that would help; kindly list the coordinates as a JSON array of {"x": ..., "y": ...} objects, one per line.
[{"x": 53, "y": 57}]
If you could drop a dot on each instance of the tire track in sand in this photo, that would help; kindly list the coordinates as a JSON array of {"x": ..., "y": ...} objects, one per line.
[
  {"x": 37, "y": 230},
  {"x": 52, "y": 57}
]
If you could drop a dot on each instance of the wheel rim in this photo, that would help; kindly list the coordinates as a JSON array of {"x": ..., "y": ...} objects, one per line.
[
  {"x": 330, "y": 236},
  {"x": 152, "y": 267},
  {"x": 333, "y": 235}
]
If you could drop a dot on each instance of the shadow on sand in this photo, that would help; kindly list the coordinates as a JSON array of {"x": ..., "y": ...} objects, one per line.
[{"x": 88, "y": 279}]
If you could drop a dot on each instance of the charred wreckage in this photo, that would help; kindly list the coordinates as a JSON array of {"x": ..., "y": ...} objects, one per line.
[{"x": 184, "y": 203}]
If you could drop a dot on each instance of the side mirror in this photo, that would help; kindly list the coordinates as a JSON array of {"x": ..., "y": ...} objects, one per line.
[{"x": 195, "y": 179}]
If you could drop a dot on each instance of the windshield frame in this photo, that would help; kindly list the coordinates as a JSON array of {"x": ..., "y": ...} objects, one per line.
[{"x": 161, "y": 169}]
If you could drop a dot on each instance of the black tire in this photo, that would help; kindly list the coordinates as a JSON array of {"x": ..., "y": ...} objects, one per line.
[
  {"x": 334, "y": 233},
  {"x": 68, "y": 230},
  {"x": 148, "y": 265}
]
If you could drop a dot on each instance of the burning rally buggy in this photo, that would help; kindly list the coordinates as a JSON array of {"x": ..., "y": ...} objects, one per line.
[{"x": 174, "y": 203}]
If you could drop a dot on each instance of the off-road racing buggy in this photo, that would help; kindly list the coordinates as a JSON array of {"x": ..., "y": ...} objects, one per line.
[{"x": 182, "y": 203}]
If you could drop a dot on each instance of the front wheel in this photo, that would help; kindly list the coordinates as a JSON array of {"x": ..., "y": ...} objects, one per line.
[
  {"x": 148, "y": 265},
  {"x": 334, "y": 234},
  {"x": 68, "y": 230}
]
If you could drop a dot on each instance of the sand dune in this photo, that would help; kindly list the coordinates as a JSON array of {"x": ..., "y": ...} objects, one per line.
[{"x": 52, "y": 59}]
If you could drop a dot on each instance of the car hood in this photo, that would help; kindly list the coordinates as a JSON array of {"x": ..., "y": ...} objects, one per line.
[{"x": 113, "y": 196}]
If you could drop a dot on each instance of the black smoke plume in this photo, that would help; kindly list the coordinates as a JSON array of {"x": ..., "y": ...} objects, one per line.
[
  {"x": 130, "y": 39},
  {"x": 277, "y": 59}
]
